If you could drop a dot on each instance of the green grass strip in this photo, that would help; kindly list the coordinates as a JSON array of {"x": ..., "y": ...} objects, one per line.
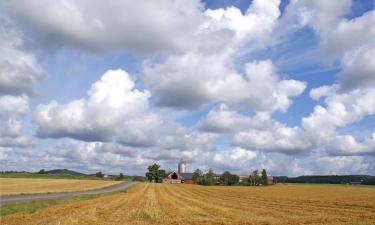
[{"x": 33, "y": 206}]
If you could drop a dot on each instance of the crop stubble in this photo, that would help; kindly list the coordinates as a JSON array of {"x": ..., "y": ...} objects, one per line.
[
  {"x": 11, "y": 186},
  {"x": 190, "y": 204}
]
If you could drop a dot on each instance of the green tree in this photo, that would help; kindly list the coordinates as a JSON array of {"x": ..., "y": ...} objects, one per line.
[
  {"x": 99, "y": 174},
  {"x": 229, "y": 179},
  {"x": 161, "y": 174},
  {"x": 208, "y": 178},
  {"x": 120, "y": 177},
  {"x": 197, "y": 176},
  {"x": 234, "y": 179},
  {"x": 155, "y": 174},
  {"x": 254, "y": 178},
  {"x": 264, "y": 177},
  {"x": 225, "y": 177},
  {"x": 42, "y": 171}
]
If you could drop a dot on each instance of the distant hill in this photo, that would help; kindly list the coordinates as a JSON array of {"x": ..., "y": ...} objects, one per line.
[
  {"x": 329, "y": 179},
  {"x": 65, "y": 172}
]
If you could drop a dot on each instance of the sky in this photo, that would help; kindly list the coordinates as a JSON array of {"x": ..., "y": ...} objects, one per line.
[{"x": 114, "y": 86}]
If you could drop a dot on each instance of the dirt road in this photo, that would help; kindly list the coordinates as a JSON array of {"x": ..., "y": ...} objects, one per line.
[{"x": 36, "y": 197}]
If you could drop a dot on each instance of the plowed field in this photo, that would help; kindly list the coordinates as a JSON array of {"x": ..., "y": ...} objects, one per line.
[{"x": 148, "y": 203}]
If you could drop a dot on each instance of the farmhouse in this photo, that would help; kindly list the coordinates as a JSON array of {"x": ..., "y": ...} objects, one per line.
[
  {"x": 270, "y": 180},
  {"x": 181, "y": 176}
]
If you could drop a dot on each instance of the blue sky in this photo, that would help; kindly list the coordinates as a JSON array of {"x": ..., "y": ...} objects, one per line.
[{"x": 230, "y": 85}]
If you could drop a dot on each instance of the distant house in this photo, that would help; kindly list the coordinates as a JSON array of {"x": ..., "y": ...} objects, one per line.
[
  {"x": 270, "y": 180},
  {"x": 180, "y": 177}
]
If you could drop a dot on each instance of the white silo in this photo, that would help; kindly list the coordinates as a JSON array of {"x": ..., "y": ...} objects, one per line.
[{"x": 182, "y": 166}]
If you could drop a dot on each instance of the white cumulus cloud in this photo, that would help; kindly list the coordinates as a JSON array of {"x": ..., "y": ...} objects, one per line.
[{"x": 113, "y": 110}]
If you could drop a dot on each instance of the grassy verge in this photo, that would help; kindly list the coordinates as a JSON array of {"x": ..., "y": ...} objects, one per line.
[{"x": 33, "y": 206}]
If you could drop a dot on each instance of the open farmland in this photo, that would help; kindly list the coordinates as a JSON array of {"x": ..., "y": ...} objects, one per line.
[
  {"x": 190, "y": 204},
  {"x": 11, "y": 186}
]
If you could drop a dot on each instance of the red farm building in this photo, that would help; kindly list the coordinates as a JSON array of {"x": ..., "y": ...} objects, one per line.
[
  {"x": 270, "y": 180},
  {"x": 179, "y": 177}
]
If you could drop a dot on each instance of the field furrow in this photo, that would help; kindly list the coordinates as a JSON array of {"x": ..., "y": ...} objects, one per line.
[{"x": 148, "y": 203}]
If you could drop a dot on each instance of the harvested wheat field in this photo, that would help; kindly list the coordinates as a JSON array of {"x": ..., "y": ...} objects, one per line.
[
  {"x": 148, "y": 203},
  {"x": 11, "y": 186}
]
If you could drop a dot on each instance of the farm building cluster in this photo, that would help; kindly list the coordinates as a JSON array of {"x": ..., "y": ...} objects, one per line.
[{"x": 183, "y": 177}]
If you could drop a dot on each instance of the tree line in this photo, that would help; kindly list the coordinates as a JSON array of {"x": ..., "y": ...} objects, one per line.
[
  {"x": 228, "y": 179},
  {"x": 328, "y": 179},
  {"x": 156, "y": 174}
]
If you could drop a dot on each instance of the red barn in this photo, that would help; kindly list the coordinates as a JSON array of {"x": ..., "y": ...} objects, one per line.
[
  {"x": 187, "y": 178},
  {"x": 270, "y": 180},
  {"x": 176, "y": 178}
]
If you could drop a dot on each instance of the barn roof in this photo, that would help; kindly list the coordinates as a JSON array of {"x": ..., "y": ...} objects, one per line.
[{"x": 186, "y": 176}]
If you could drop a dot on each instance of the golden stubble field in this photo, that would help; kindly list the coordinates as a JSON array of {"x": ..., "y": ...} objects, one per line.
[
  {"x": 148, "y": 203},
  {"x": 10, "y": 186}
]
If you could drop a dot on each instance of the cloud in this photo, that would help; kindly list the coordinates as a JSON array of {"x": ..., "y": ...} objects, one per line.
[
  {"x": 207, "y": 73},
  {"x": 346, "y": 165},
  {"x": 88, "y": 157},
  {"x": 4, "y": 153},
  {"x": 188, "y": 140},
  {"x": 151, "y": 26},
  {"x": 348, "y": 145},
  {"x": 243, "y": 28},
  {"x": 17, "y": 142},
  {"x": 339, "y": 38},
  {"x": 80, "y": 150},
  {"x": 350, "y": 99},
  {"x": 322, "y": 91},
  {"x": 12, "y": 111},
  {"x": 341, "y": 109},
  {"x": 223, "y": 120},
  {"x": 113, "y": 110},
  {"x": 342, "y": 38},
  {"x": 321, "y": 15},
  {"x": 20, "y": 72},
  {"x": 13, "y": 106},
  {"x": 235, "y": 158},
  {"x": 12, "y": 128},
  {"x": 288, "y": 140},
  {"x": 192, "y": 80},
  {"x": 358, "y": 68},
  {"x": 198, "y": 58}
]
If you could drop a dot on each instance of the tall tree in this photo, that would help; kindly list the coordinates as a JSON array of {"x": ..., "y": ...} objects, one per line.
[
  {"x": 99, "y": 174},
  {"x": 120, "y": 177},
  {"x": 264, "y": 177},
  {"x": 197, "y": 176},
  {"x": 229, "y": 179},
  {"x": 155, "y": 174},
  {"x": 254, "y": 178},
  {"x": 208, "y": 178},
  {"x": 225, "y": 177}
]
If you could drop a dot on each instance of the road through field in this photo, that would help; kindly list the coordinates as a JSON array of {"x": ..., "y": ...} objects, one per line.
[
  {"x": 148, "y": 203},
  {"x": 36, "y": 197}
]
